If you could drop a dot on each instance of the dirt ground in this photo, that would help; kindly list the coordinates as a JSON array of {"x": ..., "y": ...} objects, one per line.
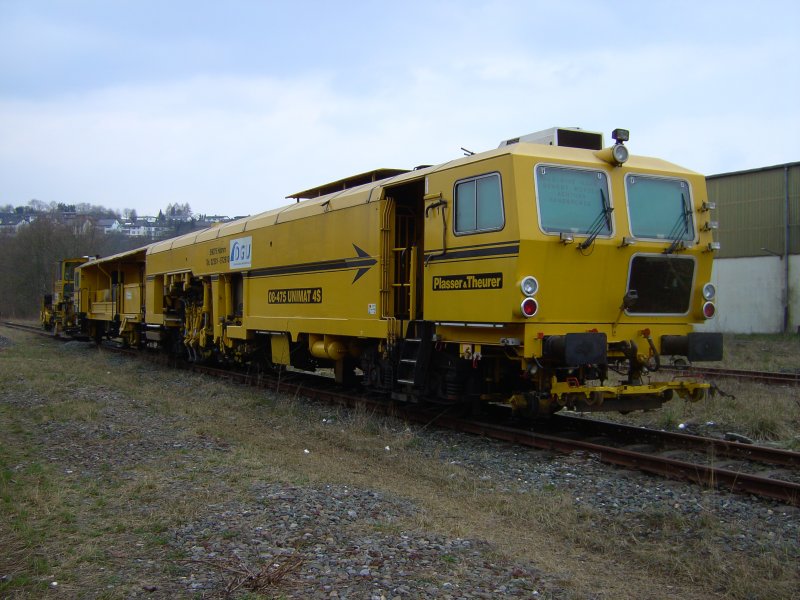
[{"x": 122, "y": 479}]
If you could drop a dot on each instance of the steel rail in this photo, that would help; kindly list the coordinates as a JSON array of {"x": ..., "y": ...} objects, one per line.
[
  {"x": 31, "y": 329},
  {"x": 712, "y": 446},
  {"x": 40, "y": 331},
  {"x": 724, "y": 479},
  {"x": 747, "y": 375}
]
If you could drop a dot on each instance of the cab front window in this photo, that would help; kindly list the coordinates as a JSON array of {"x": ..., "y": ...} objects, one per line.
[
  {"x": 660, "y": 208},
  {"x": 69, "y": 270},
  {"x": 573, "y": 200}
]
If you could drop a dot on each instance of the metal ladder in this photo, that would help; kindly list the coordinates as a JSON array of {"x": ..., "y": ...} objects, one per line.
[{"x": 415, "y": 354}]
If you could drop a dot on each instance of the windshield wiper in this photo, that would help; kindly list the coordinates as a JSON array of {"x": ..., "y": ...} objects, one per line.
[
  {"x": 602, "y": 220},
  {"x": 680, "y": 229}
]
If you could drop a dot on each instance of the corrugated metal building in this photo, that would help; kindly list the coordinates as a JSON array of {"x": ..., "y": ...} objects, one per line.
[
  {"x": 757, "y": 268},
  {"x": 752, "y": 210}
]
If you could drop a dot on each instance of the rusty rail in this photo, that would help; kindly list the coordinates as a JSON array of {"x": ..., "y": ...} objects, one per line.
[
  {"x": 712, "y": 446},
  {"x": 788, "y": 378},
  {"x": 723, "y": 479}
]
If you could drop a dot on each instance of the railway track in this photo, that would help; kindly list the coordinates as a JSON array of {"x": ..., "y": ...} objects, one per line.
[
  {"x": 713, "y": 463},
  {"x": 37, "y": 330},
  {"x": 725, "y": 465},
  {"x": 780, "y": 378},
  {"x": 31, "y": 329},
  {"x": 718, "y": 448},
  {"x": 703, "y": 469},
  {"x": 775, "y": 377}
]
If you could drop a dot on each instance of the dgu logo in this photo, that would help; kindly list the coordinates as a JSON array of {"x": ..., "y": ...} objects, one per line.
[{"x": 240, "y": 252}]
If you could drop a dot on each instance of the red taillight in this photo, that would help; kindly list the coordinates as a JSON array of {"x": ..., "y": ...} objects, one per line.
[
  {"x": 709, "y": 310},
  {"x": 528, "y": 307}
]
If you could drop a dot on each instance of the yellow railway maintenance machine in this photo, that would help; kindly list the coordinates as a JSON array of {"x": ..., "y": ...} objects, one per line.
[
  {"x": 110, "y": 296},
  {"x": 549, "y": 272},
  {"x": 57, "y": 311}
]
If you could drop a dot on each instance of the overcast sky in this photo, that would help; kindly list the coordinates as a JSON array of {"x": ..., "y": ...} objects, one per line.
[{"x": 231, "y": 106}]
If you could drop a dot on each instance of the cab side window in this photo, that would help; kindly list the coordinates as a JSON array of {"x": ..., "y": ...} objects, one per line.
[{"x": 479, "y": 204}]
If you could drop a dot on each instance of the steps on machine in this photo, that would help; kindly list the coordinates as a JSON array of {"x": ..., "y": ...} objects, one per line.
[{"x": 415, "y": 354}]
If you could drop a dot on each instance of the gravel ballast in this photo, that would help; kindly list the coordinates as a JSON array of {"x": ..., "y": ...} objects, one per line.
[{"x": 290, "y": 539}]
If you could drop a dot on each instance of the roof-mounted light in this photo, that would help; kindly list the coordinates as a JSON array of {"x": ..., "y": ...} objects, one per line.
[
  {"x": 617, "y": 154},
  {"x": 620, "y": 153},
  {"x": 620, "y": 135}
]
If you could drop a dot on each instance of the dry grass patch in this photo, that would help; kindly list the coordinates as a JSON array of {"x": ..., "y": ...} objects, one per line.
[
  {"x": 153, "y": 449},
  {"x": 761, "y": 352},
  {"x": 766, "y": 413},
  {"x": 761, "y": 412},
  {"x": 26, "y": 497}
]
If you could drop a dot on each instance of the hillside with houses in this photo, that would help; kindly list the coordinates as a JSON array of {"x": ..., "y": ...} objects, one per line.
[
  {"x": 34, "y": 237},
  {"x": 176, "y": 219}
]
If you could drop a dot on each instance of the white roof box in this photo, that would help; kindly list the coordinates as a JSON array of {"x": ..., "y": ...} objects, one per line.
[{"x": 572, "y": 137}]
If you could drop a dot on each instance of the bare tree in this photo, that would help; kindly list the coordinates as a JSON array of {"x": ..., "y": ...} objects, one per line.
[{"x": 30, "y": 257}]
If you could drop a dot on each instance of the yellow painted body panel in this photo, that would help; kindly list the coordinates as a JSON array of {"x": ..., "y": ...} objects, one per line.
[
  {"x": 132, "y": 300},
  {"x": 302, "y": 275},
  {"x": 57, "y": 312},
  {"x": 111, "y": 294},
  {"x": 578, "y": 290},
  {"x": 102, "y": 311}
]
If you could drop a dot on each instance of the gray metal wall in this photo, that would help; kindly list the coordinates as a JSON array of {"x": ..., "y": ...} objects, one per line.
[
  {"x": 751, "y": 297},
  {"x": 759, "y": 233},
  {"x": 752, "y": 210}
]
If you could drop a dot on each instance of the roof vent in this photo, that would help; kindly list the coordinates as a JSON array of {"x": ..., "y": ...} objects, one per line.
[{"x": 572, "y": 137}]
